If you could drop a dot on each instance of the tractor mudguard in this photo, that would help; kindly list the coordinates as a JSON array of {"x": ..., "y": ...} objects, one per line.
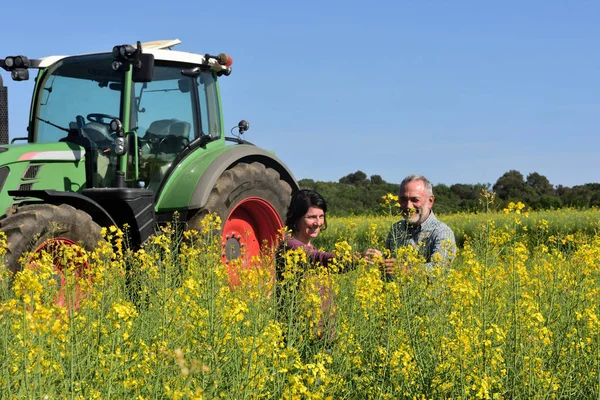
[
  {"x": 76, "y": 200},
  {"x": 237, "y": 154},
  {"x": 190, "y": 185}
]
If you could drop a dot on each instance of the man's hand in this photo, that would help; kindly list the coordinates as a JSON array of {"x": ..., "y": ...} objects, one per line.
[
  {"x": 389, "y": 266},
  {"x": 372, "y": 256}
]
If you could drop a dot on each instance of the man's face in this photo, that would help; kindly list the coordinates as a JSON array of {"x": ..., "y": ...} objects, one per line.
[{"x": 415, "y": 202}]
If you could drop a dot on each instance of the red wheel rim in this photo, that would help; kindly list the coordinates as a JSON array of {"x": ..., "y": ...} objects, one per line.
[
  {"x": 252, "y": 224},
  {"x": 53, "y": 247}
]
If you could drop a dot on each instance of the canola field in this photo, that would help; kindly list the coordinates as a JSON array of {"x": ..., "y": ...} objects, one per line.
[{"x": 514, "y": 316}]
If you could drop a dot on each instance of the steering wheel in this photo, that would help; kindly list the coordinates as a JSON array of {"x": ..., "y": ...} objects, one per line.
[
  {"x": 173, "y": 143},
  {"x": 99, "y": 118}
]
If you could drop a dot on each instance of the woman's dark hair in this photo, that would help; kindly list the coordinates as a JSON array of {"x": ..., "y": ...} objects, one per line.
[{"x": 302, "y": 200}]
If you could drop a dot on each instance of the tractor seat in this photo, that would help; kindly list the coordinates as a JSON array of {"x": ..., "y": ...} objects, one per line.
[
  {"x": 165, "y": 127},
  {"x": 165, "y": 139},
  {"x": 160, "y": 127},
  {"x": 168, "y": 135}
]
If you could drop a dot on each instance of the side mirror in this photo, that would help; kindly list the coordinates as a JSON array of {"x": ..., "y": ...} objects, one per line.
[
  {"x": 144, "y": 72},
  {"x": 243, "y": 126}
]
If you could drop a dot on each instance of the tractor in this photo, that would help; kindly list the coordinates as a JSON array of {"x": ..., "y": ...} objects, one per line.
[{"x": 133, "y": 137}]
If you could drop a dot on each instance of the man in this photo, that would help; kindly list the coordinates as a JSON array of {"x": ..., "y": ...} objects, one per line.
[{"x": 420, "y": 228}]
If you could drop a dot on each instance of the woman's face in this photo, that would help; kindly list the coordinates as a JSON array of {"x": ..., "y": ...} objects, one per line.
[{"x": 309, "y": 225}]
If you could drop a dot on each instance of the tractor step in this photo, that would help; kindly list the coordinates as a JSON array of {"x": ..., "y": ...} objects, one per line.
[{"x": 128, "y": 205}]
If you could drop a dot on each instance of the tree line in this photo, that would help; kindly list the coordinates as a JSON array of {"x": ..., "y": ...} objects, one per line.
[{"x": 359, "y": 194}]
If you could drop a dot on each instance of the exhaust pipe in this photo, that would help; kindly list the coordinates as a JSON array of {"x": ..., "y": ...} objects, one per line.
[{"x": 3, "y": 113}]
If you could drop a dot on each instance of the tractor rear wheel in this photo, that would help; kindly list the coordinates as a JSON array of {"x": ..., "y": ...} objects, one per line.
[
  {"x": 252, "y": 201},
  {"x": 38, "y": 228}
]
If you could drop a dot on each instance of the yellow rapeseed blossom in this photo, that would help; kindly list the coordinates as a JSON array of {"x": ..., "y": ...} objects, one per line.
[{"x": 516, "y": 314}]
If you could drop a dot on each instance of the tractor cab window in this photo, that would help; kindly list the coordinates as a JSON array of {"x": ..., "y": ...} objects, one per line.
[
  {"x": 77, "y": 99},
  {"x": 164, "y": 112},
  {"x": 209, "y": 105}
]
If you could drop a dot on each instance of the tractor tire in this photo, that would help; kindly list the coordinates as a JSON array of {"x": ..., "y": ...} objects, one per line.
[
  {"x": 32, "y": 227},
  {"x": 252, "y": 201}
]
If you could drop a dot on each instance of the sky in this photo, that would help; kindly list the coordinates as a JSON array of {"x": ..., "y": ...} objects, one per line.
[{"x": 458, "y": 91}]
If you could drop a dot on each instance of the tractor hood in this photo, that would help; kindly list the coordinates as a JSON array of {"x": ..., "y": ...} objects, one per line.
[
  {"x": 15, "y": 153},
  {"x": 58, "y": 166}
]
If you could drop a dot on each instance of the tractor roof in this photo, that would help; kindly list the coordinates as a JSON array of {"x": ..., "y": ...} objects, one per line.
[{"x": 159, "y": 48}]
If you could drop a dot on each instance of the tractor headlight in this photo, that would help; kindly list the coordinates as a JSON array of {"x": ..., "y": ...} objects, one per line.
[
  {"x": 9, "y": 62},
  {"x": 124, "y": 51},
  {"x": 16, "y": 62},
  {"x": 21, "y": 62},
  {"x": 19, "y": 74},
  {"x": 115, "y": 126}
]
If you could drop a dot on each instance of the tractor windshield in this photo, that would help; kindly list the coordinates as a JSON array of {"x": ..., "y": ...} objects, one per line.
[
  {"x": 76, "y": 100},
  {"x": 78, "y": 92}
]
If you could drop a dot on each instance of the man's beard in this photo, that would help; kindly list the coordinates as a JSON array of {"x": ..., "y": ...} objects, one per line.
[{"x": 412, "y": 215}]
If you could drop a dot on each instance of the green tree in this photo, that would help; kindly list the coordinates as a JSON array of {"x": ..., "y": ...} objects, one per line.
[
  {"x": 355, "y": 178},
  {"x": 548, "y": 202},
  {"x": 356, "y": 194},
  {"x": 377, "y": 180},
  {"x": 543, "y": 195},
  {"x": 540, "y": 184},
  {"x": 446, "y": 201},
  {"x": 577, "y": 196},
  {"x": 510, "y": 185},
  {"x": 469, "y": 195}
]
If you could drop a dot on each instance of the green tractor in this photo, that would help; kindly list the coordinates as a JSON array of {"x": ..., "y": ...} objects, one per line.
[{"x": 133, "y": 136}]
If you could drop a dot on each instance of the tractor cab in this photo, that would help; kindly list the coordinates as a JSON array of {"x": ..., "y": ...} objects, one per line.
[
  {"x": 172, "y": 115},
  {"x": 165, "y": 103}
]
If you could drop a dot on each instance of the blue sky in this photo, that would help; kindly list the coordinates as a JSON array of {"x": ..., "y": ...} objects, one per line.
[{"x": 459, "y": 91}]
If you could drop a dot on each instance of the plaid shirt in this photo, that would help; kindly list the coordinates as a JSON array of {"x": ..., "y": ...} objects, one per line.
[{"x": 429, "y": 238}]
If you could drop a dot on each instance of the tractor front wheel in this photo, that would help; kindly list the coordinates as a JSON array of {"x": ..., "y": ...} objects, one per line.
[{"x": 39, "y": 228}]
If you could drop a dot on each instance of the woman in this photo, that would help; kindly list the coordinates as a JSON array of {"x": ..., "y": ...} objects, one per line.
[{"x": 305, "y": 219}]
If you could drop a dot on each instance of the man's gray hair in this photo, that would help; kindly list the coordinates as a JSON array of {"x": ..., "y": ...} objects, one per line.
[{"x": 417, "y": 177}]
